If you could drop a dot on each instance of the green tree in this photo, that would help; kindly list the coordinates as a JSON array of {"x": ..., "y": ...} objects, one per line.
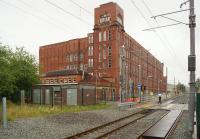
[
  {"x": 180, "y": 87},
  {"x": 6, "y": 79},
  {"x": 26, "y": 69},
  {"x": 18, "y": 70}
]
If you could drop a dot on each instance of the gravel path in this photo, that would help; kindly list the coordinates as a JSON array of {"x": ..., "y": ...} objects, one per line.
[{"x": 59, "y": 126}]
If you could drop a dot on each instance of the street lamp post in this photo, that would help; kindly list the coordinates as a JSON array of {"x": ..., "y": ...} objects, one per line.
[
  {"x": 122, "y": 82},
  {"x": 140, "y": 95},
  {"x": 126, "y": 79},
  {"x": 159, "y": 85}
]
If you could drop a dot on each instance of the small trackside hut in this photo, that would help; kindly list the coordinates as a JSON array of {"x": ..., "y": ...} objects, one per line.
[{"x": 64, "y": 87}]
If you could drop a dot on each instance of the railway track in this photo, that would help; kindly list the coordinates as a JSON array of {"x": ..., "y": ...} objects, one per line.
[{"x": 108, "y": 128}]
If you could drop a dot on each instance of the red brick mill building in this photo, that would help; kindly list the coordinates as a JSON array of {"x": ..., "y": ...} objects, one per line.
[{"x": 107, "y": 54}]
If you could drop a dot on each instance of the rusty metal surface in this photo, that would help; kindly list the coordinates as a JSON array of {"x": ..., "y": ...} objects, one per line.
[{"x": 161, "y": 129}]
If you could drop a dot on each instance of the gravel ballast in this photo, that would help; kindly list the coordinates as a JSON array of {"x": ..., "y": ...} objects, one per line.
[
  {"x": 59, "y": 126},
  {"x": 67, "y": 124},
  {"x": 133, "y": 131}
]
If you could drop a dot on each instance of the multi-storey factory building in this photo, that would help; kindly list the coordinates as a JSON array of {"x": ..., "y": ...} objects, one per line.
[{"x": 109, "y": 53}]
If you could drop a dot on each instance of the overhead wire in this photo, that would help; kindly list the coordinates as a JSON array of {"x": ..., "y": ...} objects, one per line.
[
  {"x": 67, "y": 12},
  {"x": 138, "y": 9},
  {"x": 164, "y": 35},
  {"x": 50, "y": 18},
  {"x": 35, "y": 16},
  {"x": 81, "y": 7}
]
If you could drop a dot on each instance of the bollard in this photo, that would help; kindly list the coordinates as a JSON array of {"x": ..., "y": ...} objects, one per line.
[
  {"x": 22, "y": 95},
  {"x": 4, "y": 113}
]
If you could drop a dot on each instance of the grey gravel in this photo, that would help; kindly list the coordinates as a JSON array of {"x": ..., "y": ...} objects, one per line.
[
  {"x": 181, "y": 131},
  {"x": 133, "y": 131},
  {"x": 182, "y": 99},
  {"x": 67, "y": 124},
  {"x": 59, "y": 126}
]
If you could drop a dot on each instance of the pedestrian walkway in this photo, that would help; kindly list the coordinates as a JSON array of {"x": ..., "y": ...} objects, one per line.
[{"x": 152, "y": 101}]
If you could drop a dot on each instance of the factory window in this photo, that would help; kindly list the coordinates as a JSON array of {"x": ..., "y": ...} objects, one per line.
[
  {"x": 100, "y": 36},
  {"x": 100, "y": 53},
  {"x": 81, "y": 66},
  {"x": 75, "y": 57},
  {"x": 75, "y": 67},
  {"x": 109, "y": 35},
  {"x": 81, "y": 56},
  {"x": 110, "y": 63},
  {"x": 90, "y": 62},
  {"x": 104, "y": 36},
  {"x": 90, "y": 51},
  {"x": 100, "y": 56},
  {"x": 109, "y": 50},
  {"x": 90, "y": 38},
  {"x": 71, "y": 58}
]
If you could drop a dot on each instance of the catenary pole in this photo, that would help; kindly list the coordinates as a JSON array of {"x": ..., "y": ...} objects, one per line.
[{"x": 192, "y": 67}]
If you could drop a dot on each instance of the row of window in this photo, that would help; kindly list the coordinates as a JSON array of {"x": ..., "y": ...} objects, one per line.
[
  {"x": 74, "y": 57},
  {"x": 102, "y": 64},
  {"x": 71, "y": 67},
  {"x": 104, "y": 51},
  {"x": 105, "y": 35},
  {"x": 74, "y": 67}
]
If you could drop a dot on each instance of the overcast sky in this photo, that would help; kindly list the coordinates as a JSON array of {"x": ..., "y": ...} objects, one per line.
[{"x": 33, "y": 23}]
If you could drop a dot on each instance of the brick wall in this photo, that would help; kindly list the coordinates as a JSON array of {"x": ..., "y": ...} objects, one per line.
[{"x": 109, "y": 20}]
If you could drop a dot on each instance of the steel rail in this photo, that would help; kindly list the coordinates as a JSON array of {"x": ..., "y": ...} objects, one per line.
[
  {"x": 104, "y": 125},
  {"x": 118, "y": 128},
  {"x": 89, "y": 131}
]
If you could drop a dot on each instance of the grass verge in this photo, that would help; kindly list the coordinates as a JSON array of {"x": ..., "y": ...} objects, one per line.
[{"x": 29, "y": 110}]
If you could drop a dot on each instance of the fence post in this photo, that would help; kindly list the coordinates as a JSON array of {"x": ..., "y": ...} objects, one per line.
[
  {"x": 4, "y": 113},
  {"x": 22, "y": 95}
]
